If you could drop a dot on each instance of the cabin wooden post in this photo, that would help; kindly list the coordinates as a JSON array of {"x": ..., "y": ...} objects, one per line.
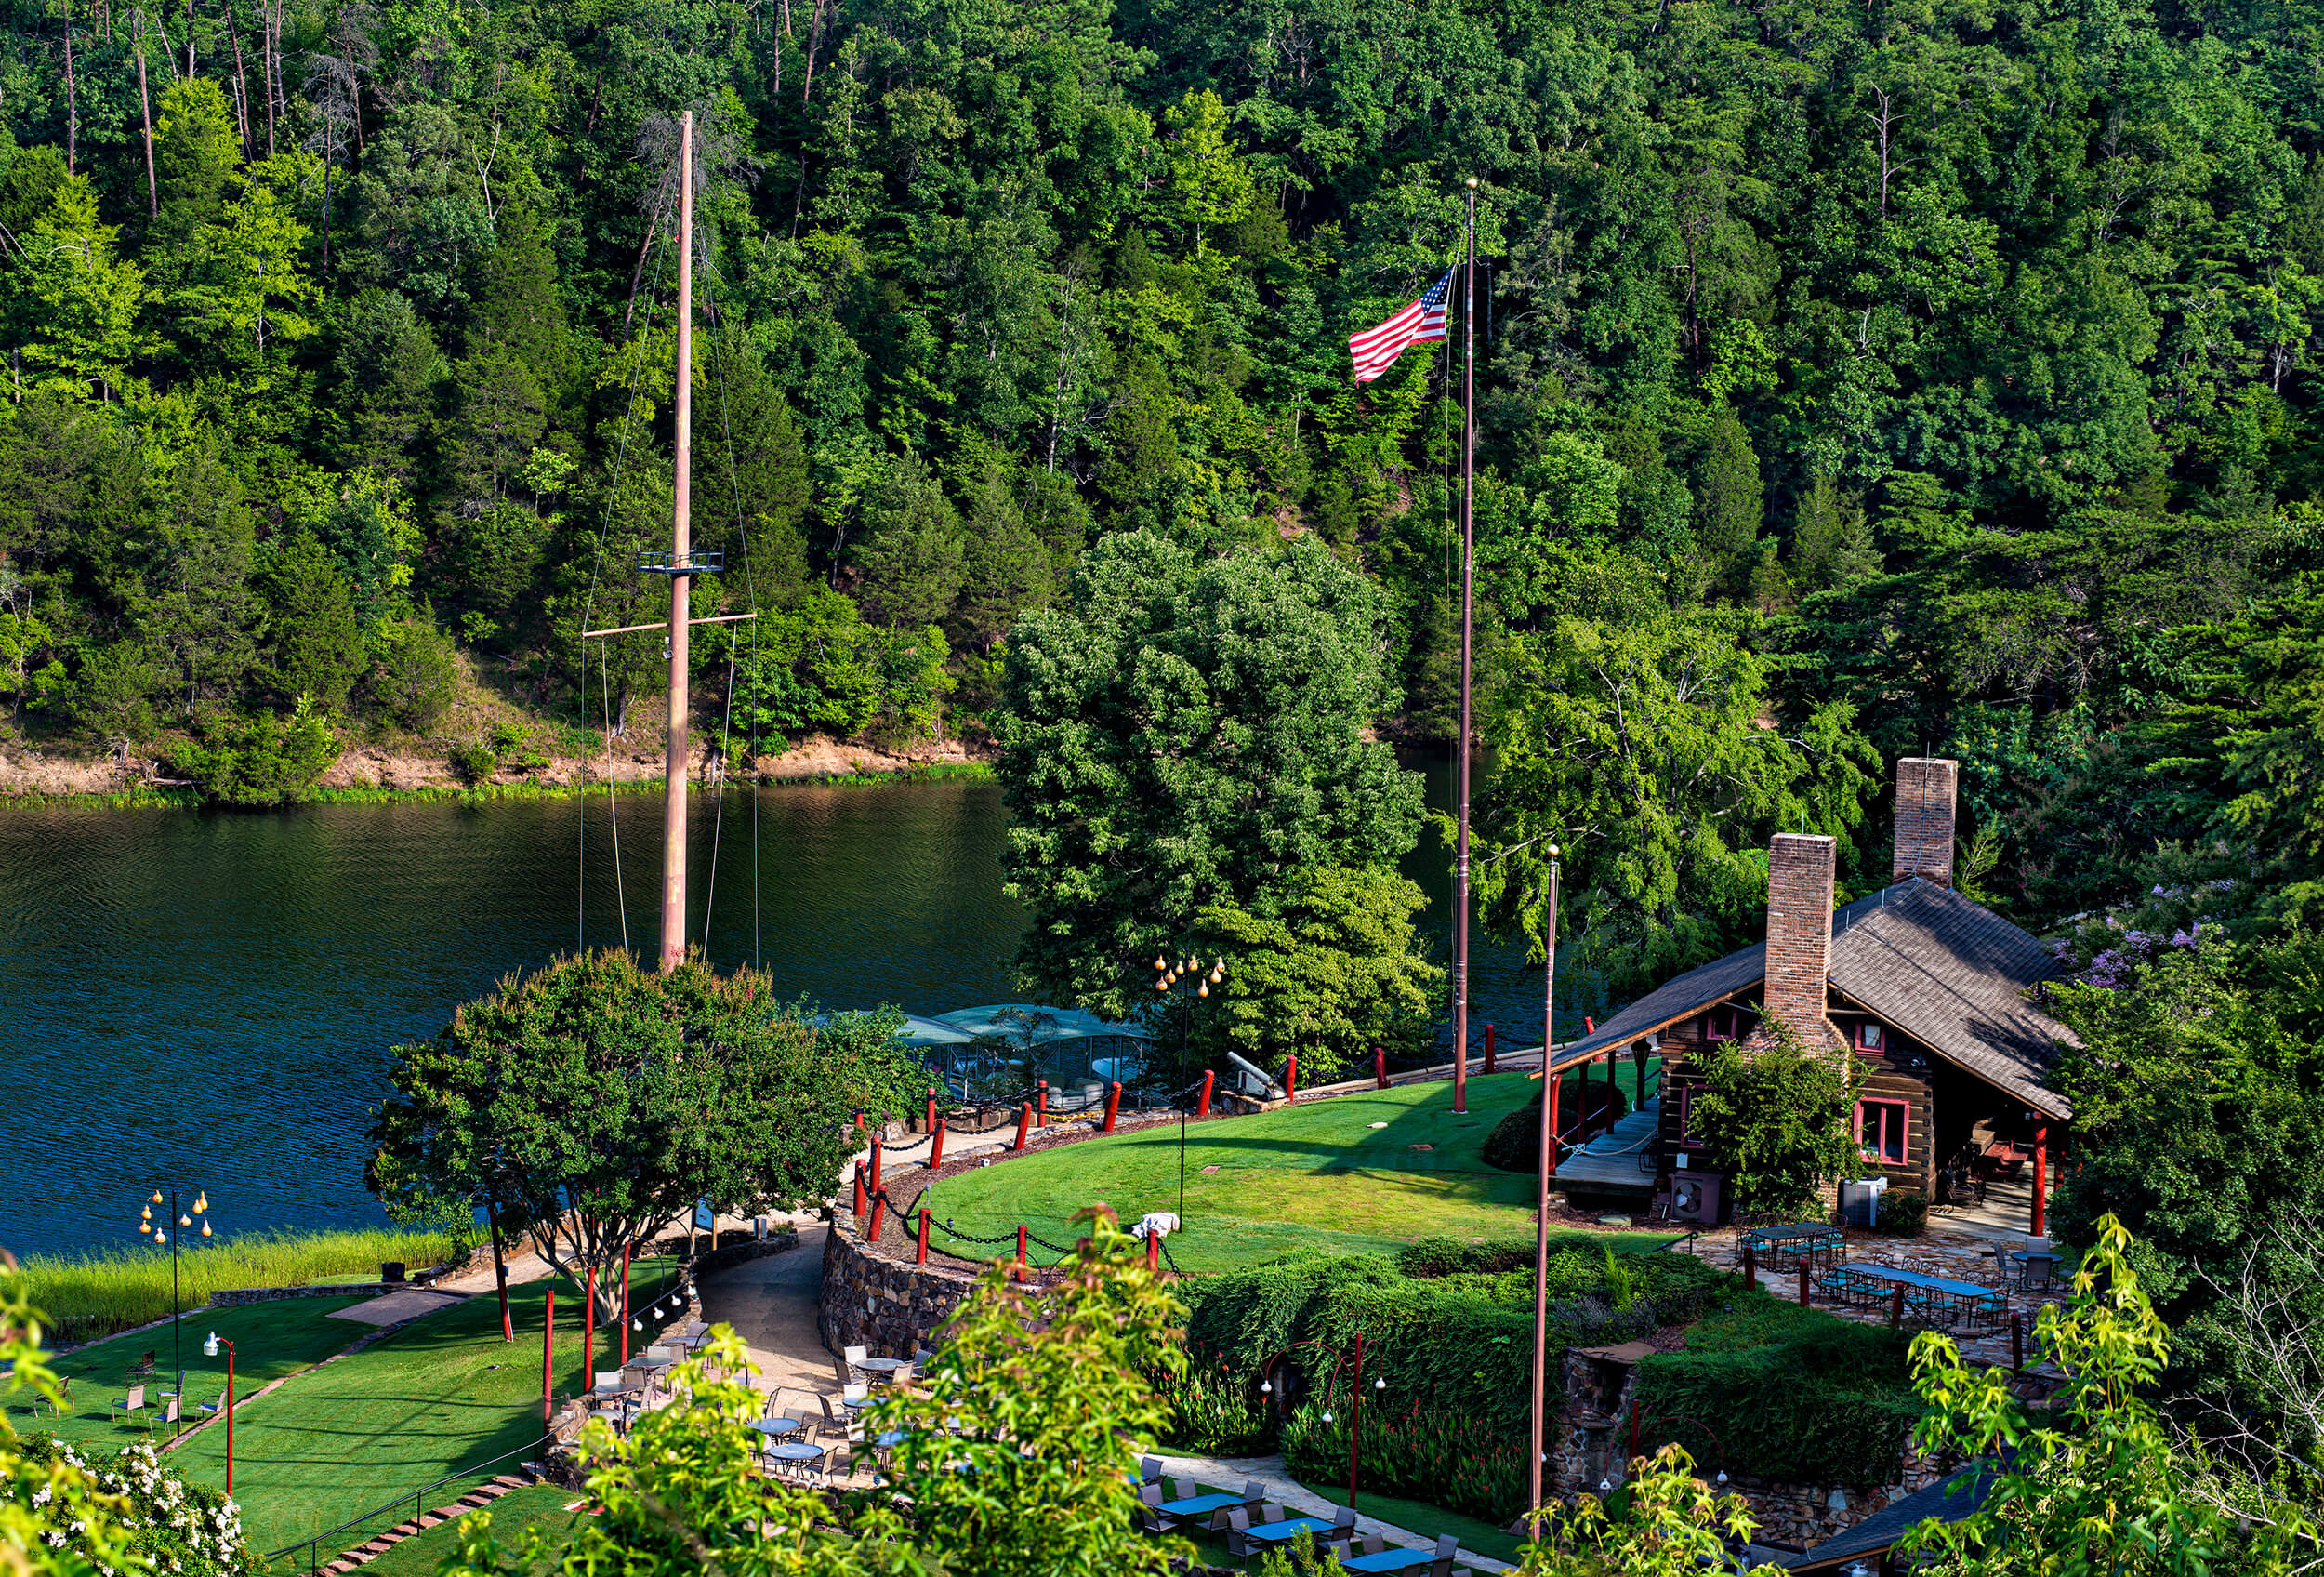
[
  {"x": 2041, "y": 1179},
  {"x": 1553, "y": 1079}
]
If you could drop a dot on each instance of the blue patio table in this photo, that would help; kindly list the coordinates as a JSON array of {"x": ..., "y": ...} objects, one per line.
[
  {"x": 1388, "y": 1560},
  {"x": 1961, "y": 1300},
  {"x": 1288, "y": 1528},
  {"x": 1194, "y": 1505}
]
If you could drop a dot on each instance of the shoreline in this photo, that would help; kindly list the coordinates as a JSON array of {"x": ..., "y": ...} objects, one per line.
[{"x": 367, "y": 777}]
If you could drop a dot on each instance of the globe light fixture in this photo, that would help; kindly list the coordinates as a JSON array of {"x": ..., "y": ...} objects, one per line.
[
  {"x": 1327, "y": 1415},
  {"x": 1266, "y": 1387},
  {"x": 206, "y": 1227},
  {"x": 1379, "y": 1384}
]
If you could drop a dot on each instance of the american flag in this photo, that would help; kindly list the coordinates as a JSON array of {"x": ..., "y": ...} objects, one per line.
[{"x": 1375, "y": 350}]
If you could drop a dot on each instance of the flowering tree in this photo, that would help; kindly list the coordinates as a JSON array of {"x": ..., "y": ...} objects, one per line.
[{"x": 168, "y": 1525}]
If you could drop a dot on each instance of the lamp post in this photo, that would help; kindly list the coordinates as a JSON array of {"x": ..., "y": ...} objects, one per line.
[
  {"x": 175, "y": 1224},
  {"x": 1340, "y": 1358},
  {"x": 209, "y": 1349},
  {"x": 1167, "y": 977},
  {"x": 1545, "y": 1168}
]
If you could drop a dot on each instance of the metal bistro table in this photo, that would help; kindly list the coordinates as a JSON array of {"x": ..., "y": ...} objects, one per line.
[
  {"x": 1802, "y": 1243},
  {"x": 1197, "y": 1505},
  {"x": 884, "y": 1369},
  {"x": 778, "y": 1428},
  {"x": 1932, "y": 1298},
  {"x": 798, "y": 1453},
  {"x": 1288, "y": 1528},
  {"x": 1389, "y": 1560}
]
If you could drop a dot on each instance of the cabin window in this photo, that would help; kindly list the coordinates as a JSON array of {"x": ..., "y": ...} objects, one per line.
[
  {"x": 1870, "y": 1037},
  {"x": 1881, "y": 1131},
  {"x": 1687, "y": 1141},
  {"x": 1720, "y": 1025}
]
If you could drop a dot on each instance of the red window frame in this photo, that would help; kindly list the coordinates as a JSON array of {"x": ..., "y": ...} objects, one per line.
[
  {"x": 1892, "y": 1130},
  {"x": 1685, "y": 1091},
  {"x": 1871, "y": 1036},
  {"x": 1712, "y": 1021}
]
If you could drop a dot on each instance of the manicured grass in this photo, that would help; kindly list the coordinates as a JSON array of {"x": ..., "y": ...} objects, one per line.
[
  {"x": 271, "y": 1339},
  {"x": 1318, "y": 1175},
  {"x": 86, "y": 1295},
  {"x": 443, "y": 1394},
  {"x": 1419, "y": 1516},
  {"x": 542, "y": 1505}
]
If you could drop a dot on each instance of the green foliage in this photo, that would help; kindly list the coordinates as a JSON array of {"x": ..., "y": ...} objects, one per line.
[
  {"x": 259, "y": 759},
  {"x": 1795, "y": 1395},
  {"x": 186, "y": 1529},
  {"x": 1438, "y": 1455},
  {"x": 2093, "y": 1485},
  {"x": 1516, "y": 1142},
  {"x": 1903, "y": 1212},
  {"x": 1776, "y": 1119},
  {"x": 1209, "y": 714},
  {"x": 1669, "y": 1524},
  {"x": 1330, "y": 968},
  {"x": 820, "y": 668},
  {"x": 602, "y": 1102}
]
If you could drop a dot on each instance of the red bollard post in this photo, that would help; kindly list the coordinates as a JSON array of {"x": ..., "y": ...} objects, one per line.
[
  {"x": 875, "y": 1170},
  {"x": 1291, "y": 1078},
  {"x": 1040, "y": 1111},
  {"x": 1803, "y": 1284},
  {"x": 859, "y": 1191},
  {"x": 921, "y": 1258},
  {"x": 936, "y": 1146},
  {"x": 1380, "y": 1067},
  {"x": 548, "y": 1362},
  {"x": 588, "y": 1334},
  {"x": 1024, "y": 1123},
  {"x": 1751, "y": 1267},
  {"x": 1488, "y": 1048},
  {"x": 1020, "y": 1256},
  {"x": 1897, "y": 1308},
  {"x": 1153, "y": 1251},
  {"x": 1113, "y": 1104},
  {"x": 1589, "y": 1025},
  {"x": 1209, "y": 1082},
  {"x": 879, "y": 1206},
  {"x": 931, "y": 1126}
]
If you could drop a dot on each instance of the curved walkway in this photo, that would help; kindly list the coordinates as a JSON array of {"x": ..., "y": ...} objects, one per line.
[{"x": 773, "y": 1305}]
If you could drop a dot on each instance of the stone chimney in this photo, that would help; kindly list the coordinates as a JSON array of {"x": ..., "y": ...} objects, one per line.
[
  {"x": 1924, "y": 819},
  {"x": 1799, "y": 935}
]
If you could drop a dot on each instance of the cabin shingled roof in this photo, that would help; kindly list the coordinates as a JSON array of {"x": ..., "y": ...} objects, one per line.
[
  {"x": 1948, "y": 1500},
  {"x": 1941, "y": 967}
]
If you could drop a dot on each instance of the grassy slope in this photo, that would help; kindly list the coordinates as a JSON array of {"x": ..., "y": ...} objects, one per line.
[
  {"x": 271, "y": 1339},
  {"x": 1318, "y": 1175},
  {"x": 443, "y": 1394},
  {"x": 543, "y": 1505}
]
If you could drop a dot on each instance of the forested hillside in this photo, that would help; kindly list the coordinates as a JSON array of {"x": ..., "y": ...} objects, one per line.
[{"x": 1855, "y": 378}]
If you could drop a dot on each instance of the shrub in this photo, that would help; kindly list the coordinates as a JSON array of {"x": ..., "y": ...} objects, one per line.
[
  {"x": 1516, "y": 1142},
  {"x": 1903, "y": 1212},
  {"x": 259, "y": 759},
  {"x": 1442, "y": 1456},
  {"x": 1776, "y": 1119},
  {"x": 471, "y": 763},
  {"x": 415, "y": 678},
  {"x": 180, "y": 1528},
  {"x": 1216, "y": 1412}
]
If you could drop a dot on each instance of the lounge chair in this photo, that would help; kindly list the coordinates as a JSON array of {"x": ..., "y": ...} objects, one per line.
[{"x": 132, "y": 1404}]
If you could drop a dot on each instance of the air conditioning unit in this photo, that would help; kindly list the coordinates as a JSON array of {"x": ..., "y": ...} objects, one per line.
[
  {"x": 1860, "y": 1201},
  {"x": 1698, "y": 1197}
]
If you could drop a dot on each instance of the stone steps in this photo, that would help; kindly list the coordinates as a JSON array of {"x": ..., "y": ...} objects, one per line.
[{"x": 475, "y": 1500}]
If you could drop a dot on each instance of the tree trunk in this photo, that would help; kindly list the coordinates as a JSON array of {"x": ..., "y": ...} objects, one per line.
[
  {"x": 241, "y": 83},
  {"x": 145, "y": 112},
  {"x": 72, "y": 100},
  {"x": 189, "y": 40},
  {"x": 500, "y": 1270}
]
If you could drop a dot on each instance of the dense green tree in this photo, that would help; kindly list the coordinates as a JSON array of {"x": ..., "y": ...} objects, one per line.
[
  {"x": 912, "y": 550},
  {"x": 196, "y": 155},
  {"x": 314, "y": 642},
  {"x": 1188, "y": 733}
]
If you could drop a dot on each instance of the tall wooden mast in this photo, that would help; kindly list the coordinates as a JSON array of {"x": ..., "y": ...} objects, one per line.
[{"x": 681, "y": 555}]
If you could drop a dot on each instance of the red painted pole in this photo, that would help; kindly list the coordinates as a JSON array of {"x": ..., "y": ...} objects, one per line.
[
  {"x": 1355, "y": 1406},
  {"x": 921, "y": 1258},
  {"x": 936, "y": 1147},
  {"x": 880, "y": 1205},
  {"x": 1589, "y": 1025},
  {"x": 1113, "y": 1104},
  {"x": 588, "y": 1334},
  {"x": 1153, "y": 1251},
  {"x": 1040, "y": 1110},
  {"x": 1897, "y": 1308},
  {"x": 874, "y": 1185},
  {"x": 1024, "y": 1123},
  {"x": 931, "y": 1109},
  {"x": 859, "y": 1191},
  {"x": 1803, "y": 1284},
  {"x": 1209, "y": 1082},
  {"x": 1291, "y": 1076},
  {"x": 1751, "y": 1267},
  {"x": 1021, "y": 1257},
  {"x": 548, "y": 1362},
  {"x": 1556, "y": 1081},
  {"x": 625, "y": 1303},
  {"x": 1488, "y": 1048},
  {"x": 1380, "y": 1067},
  {"x": 2041, "y": 1179},
  {"x": 229, "y": 1418}
]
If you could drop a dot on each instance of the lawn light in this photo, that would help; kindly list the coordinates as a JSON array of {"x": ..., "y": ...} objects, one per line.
[
  {"x": 1722, "y": 1476},
  {"x": 1327, "y": 1415},
  {"x": 1379, "y": 1384},
  {"x": 1266, "y": 1387},
  {"x": 1606, "y": 1486}
]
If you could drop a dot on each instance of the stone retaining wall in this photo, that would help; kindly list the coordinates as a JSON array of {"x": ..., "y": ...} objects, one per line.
[
  {"x": 234, "y": 1297},
  {"x": 871, "y": 1301}
]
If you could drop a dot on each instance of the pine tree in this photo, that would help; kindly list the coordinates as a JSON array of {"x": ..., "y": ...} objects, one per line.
[{"x": 912, "y": 563}]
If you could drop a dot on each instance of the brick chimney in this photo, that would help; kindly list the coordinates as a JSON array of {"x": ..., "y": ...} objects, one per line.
[
  {"x": 1799, "y": 935},
  {"x": 1924, "y": 819}
]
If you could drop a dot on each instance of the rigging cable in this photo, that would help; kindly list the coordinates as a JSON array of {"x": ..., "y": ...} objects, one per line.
[
  {"x": 589, "y": 603},
  {"x": 750, "y": 589},
  {"x": 717, "y": 824}
]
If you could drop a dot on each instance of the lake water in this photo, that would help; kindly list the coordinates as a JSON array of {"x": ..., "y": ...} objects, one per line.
[{"x": 211, "y": 999}]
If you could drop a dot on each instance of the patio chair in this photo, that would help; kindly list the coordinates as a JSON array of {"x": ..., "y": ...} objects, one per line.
[
  {"x": 1150, "y": 1518},
  {"x": 64, "y": 1398},
  {"x": 131, "y": 1405},
  {"x": 1150, "y": 1470},
  {"x": 166, "y": 1419},
  {"x": 1271, "y": 1512},
  {"x": 1442, "y": 1565},
  {"x": 215, "y": 1406},
  {"x": 1182, "y": 1489},
  {"x": 1238, "y": 1533},
  {"x": 1342, "y": 1521},
  {"x": 1374, "y": 1544},
  {"x": 832, "y": 1424},
  {"x": 854, "y": 1358},
  {"x": 609, "y": 1382},
  {"x": 1253, "y": 1492},
  {"x": 145, "y": 1365}
]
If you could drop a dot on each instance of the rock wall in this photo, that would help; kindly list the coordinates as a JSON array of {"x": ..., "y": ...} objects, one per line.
[
  {"x": 234, "y": 1297},
  {"x": 874, "y": 1302}
]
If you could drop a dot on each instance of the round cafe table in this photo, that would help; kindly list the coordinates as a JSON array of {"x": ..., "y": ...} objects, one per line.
[
  {"x": 795, "y": 1452},
  {"x": 882, "y": 1367},
  {"x": 776, "y": 1428}
]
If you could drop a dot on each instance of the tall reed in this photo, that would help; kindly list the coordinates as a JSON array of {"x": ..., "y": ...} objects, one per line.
[{"x": 92, "y": 1294}]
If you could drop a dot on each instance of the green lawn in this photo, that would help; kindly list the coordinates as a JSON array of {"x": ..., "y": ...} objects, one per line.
[
  {"x": 1356, "y": 1173},
  {"x": 271, "y": 1339},
  {"x": 442, "y": 1395},
  {"x": 543, "y": 1505}
]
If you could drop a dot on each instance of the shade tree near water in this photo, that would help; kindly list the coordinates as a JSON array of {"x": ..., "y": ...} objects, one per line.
[{"x": 593, "y": 1104}]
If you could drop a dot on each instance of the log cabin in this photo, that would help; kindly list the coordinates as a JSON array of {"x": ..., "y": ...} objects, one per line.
[{"x": 1930, "y": 990}]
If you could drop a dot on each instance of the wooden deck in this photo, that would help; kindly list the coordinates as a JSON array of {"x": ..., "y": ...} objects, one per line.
[{"x": 1610, "y": 1163}]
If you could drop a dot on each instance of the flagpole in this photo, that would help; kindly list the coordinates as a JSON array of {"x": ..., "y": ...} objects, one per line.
[
  {"x": 1467, "y": 586},
  {"x": 1543, "y": 1167}
]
